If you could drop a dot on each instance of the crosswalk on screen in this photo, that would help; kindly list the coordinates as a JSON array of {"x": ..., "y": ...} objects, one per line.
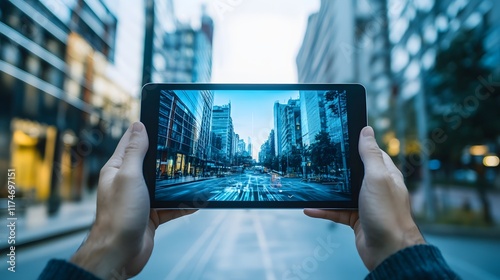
[{"x": 249, "y": 145}]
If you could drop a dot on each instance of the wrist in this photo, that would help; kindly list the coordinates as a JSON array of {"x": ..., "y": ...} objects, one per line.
[
  {"x": 409, "y": 236},
  {"x": 101, "y": 254}
]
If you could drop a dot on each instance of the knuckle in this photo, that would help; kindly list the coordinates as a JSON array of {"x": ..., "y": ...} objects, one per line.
[{"x": 132, "y": 146}]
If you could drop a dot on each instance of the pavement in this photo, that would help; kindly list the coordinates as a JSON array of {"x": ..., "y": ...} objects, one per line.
[
  {"x": 36, "y": 225},
  {"x": 260, "y": 244}
]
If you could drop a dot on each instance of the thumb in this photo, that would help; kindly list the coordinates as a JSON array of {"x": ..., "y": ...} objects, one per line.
[
  {"x": 136, "y": 148},
  {"x": 370, "y": 153}
]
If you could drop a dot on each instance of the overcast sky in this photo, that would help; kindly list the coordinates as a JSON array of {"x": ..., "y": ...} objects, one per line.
[{"x": 255, "y": 41}]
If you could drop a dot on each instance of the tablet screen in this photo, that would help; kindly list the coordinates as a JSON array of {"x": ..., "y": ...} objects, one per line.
[{"x": 252, "y": 147}]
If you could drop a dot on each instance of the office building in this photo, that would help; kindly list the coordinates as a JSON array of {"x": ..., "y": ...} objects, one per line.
[
  {"x": 347, "y": 42},
  {"x": 328, "y": 51},
  {"x": 419, "y": 30},
  {"x": 184, "y": 133},
  {"x": 177, "y": 52},
  {"x": 312, "y": 115},
  {"x": 241, "y": 147},
  {"x": 62, "y": 110},
  {"x": 287, "y": 126},
  {"x": 222, "y": 126}
]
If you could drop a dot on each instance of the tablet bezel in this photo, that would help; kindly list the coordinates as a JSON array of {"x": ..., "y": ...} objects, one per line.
[{"x": 356, "y": 116}]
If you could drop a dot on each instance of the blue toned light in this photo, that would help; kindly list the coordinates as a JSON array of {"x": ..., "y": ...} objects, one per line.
[{"x": 434, "y": 164}]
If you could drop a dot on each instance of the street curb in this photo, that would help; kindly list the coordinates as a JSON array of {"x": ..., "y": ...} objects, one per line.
[
  {"x": 477, "y": 232},
  {"x": 45, "y": 237}
]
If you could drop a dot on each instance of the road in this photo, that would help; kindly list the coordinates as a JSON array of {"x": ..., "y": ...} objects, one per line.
[
  {"x": 260, "y": 244},
  {"x": 250, "y": 186}
]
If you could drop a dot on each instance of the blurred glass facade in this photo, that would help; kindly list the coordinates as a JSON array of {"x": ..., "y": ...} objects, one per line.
[
  {"x": 398, "y": 50},
  {"x": 174, "y": 51},
  {"x": 62, "y": 110}
]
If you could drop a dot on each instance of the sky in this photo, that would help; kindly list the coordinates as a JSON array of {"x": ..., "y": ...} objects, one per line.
[
  {"x": 252, "y": 113},
  {"x": 255, "y": 41}
]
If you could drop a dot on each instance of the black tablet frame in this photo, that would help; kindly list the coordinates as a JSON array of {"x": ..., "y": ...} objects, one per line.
[{"x": 356, "y": 116}]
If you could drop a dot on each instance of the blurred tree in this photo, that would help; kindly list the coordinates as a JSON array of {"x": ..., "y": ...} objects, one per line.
[
  {"x": 295, "y": 158},
  {"x": 322, "y": 151},
  {"x": 464, "y": 102}
]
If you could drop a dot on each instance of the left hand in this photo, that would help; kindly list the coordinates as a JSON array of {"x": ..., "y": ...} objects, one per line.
[{"x": 122, "y": 237}]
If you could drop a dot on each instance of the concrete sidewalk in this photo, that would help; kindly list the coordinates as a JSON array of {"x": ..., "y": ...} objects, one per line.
[
  {"x": 36, "y": 225},
  {"x": 33, "y": 223}
]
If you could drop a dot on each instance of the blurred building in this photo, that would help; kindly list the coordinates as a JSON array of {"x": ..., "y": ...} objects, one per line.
[
  {"x": 184, "y": 132},
  {"x": 222, "y": 126},
  {"x": 241, "y": 146},
  {"x": 328, "y": 53},
  {"x": 62, "y": 110},
  {"x": 249, "y": 146},
  {"x": 347, "y": 42},
  {"x": 266, "y": 153},
  {"x": 418, "y": 30},
  {"x": 159, "y": 20},
  {"x": 287, "y": 126},
  {"x": 236, "y": 140},
  {"x": 176, "y": 52}
]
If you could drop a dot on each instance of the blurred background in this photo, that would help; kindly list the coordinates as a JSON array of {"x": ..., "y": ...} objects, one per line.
[{"x": 70, "y": 78}]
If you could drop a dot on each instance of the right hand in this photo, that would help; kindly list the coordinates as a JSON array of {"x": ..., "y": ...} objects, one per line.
[{"x": 383, "y": 223}]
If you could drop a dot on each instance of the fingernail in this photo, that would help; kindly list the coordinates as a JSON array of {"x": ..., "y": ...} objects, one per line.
[
  {"x": 368, "y": 131},
  {"x": 136, "y": 127}
]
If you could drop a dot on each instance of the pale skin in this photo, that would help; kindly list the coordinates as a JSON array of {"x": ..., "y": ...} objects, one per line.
[
  {"x": 122, "y": 238},
  {"x": 383, "y": 223}
]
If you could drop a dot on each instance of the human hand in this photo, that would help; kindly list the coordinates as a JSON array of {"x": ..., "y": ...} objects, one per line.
[
  {"x": 122, "y": 237},
  {"x": 383, "y": 223}
]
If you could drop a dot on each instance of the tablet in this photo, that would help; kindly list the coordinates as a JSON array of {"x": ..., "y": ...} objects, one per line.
[{"x": 253, "y": 145}]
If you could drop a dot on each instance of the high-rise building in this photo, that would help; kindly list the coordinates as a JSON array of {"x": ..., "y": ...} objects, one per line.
[
  {"x": 241, "y": 147},
  {"x": 184, "y": 132},
  {"x": 328, "y": 52},
  {"x": 279, "y": 123},
  {"x": 249, "y": 147},
  {"x": 222, "y": 126},
  {"x": 287, "y": 126},
  {"x": 59, "y": 92},
  {"x": 357, "y": 51},
  {"x": 313, "y": 115},
  {"x": 159, "y": 20},
  {"x": 175, "y": 52},
  {"x": 266, "y": 153},
  {"x": 418, "y": 30}
]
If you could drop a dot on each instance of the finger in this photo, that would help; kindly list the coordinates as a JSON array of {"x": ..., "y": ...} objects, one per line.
[
  {"x": 396, "y": 174},
  {"x": 370, "y": 153},
  {"x": 115, "y": 161},
  {"x": 168, "y": 215},
  {"x": 135, "y": 149},
  {"x": 346, "y": 217}
]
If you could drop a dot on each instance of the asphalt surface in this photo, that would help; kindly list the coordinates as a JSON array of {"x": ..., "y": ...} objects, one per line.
[
  {"x": 250, "y": 186},
  {"x": 260, "y": 244}
]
